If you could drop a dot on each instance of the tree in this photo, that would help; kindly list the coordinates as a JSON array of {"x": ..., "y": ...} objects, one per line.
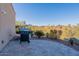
[{"x": 39, "y": 34}]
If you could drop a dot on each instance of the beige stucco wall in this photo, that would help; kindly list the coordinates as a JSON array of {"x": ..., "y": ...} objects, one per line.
[{"x": 7, "y": 24}]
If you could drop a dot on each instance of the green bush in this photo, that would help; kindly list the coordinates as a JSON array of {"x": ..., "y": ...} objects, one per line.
[
  {"x": 39, "y": 34},
  {"x": 17, "y": 31}
]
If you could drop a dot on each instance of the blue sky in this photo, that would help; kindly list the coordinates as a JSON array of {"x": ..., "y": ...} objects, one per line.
[{"x": 47, "y": 13}]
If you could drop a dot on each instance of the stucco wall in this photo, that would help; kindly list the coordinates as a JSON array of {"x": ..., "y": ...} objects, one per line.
[{"x": 7, "y": 24}]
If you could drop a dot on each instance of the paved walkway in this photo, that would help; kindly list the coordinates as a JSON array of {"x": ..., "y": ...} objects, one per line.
[{"x": 37, "y": 48}]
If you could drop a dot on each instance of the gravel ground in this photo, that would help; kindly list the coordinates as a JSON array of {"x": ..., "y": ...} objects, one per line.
[{"x": 38, "y": 48}]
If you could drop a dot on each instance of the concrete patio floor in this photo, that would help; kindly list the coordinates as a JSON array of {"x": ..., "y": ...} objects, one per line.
[{"x": 37, "y": 48}]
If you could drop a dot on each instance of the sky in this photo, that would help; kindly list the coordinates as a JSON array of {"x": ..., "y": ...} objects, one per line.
[{"x": 47, "y": 13}]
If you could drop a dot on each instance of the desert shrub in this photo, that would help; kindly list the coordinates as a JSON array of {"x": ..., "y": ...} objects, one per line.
[
  {"x": 53, "y": 34},
  {"x": 47, "y": 35}
]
